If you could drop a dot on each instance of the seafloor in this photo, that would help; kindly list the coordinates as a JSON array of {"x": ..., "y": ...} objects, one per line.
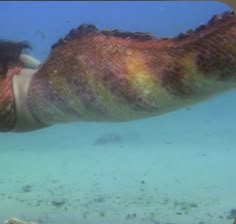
[{"x": 178, "y": 168}]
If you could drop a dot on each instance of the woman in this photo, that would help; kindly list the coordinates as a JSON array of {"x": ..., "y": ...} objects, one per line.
[
  {"x": 12, "y": 61},
  {"x": 11, "y": 55},
  {"x": 93, "y": 75}
]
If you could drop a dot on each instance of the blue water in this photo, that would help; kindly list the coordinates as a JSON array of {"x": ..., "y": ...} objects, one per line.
[{"x": 178, "y": 168}]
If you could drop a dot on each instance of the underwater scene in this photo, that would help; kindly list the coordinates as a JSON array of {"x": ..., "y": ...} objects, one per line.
[{"x": 128, "y": 119}]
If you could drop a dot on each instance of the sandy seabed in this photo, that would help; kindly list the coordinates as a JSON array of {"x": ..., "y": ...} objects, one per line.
[{"x": 178, "y": 168}]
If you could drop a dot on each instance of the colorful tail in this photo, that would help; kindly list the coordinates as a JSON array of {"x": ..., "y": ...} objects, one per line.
[{"x": 108, "y": 75}]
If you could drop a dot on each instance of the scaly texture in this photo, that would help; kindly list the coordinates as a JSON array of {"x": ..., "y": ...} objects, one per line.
[
  {"x": 94, "y": 75},
  {"x": 7, "y": 102}
]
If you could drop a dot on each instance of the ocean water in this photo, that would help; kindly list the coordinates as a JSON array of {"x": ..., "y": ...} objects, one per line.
[{"x": 178, "y": 168}]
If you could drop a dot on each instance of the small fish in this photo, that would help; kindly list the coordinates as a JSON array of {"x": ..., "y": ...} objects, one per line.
[{"x": 40, "y": 34}]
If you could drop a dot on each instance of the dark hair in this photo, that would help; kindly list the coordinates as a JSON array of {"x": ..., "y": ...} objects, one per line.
[{"x": 10, "y": 52}]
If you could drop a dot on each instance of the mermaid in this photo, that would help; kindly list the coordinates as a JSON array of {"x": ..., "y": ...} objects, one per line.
[{"x": 108, "y": 75}]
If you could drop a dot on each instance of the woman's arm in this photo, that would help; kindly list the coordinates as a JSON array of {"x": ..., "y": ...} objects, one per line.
[{"x": 29, "y": 61}]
